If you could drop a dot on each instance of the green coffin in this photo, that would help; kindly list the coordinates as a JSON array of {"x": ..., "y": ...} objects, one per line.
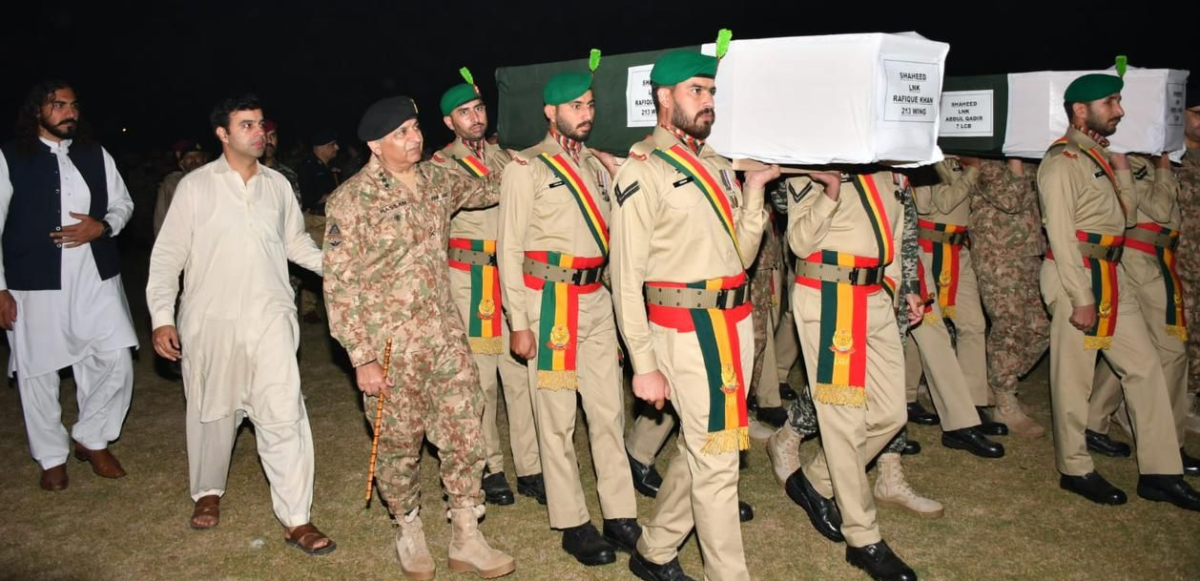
[
  {"x": 974, "y": 115},
  {"x": 523, "y": 124}
]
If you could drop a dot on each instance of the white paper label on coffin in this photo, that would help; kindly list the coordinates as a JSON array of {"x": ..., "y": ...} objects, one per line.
[
  {"x": 968, "y": 114},
  {"x": 639, "y": 106},
  {"x": 830, "y": 99},
  {"x": 1152, "y": 99}
]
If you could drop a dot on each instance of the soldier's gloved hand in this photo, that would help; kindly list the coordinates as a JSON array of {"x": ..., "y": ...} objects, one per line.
[
  {"x": 371, "y": 380},
  {"x": 523, "y": 344},
  {"x": 652, "y": 387},
  {"x": 1083, "y": 318}
]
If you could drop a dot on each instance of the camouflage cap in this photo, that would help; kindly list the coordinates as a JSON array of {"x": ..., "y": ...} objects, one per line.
[
  {"x": 680, "y": 65},
  {"x": 384, "y": 116},
  {"x": 1091, "y": 87}
]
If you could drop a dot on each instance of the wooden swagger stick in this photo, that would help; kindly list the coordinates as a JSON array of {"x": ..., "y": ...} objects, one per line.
[{"x": 387, "y": 372}]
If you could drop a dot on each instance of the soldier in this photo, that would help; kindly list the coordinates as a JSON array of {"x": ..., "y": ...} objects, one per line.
[
  {"x": 684, "y": 233},
  {"x": 1188, "y": 175},
  {"x": 847, "y": 326},
  {"x": 783, "y": 448},
  {"x": 476, "y": 289},
  {"x": 1151, "y": 276},
  {"x": 1083, "y": 207},
  {"x": 1007, "y": 248},
  {"x": 387, "y": 284},
  {"x": 950, "y": 289},
  {"x": 552, "y": 250},
  {"x": 766, "y": 278},
  {"x": 317, "y": 182}
]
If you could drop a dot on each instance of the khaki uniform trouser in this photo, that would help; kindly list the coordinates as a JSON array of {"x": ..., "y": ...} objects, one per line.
[
  {"x": 1133, "y": 357},
  {"x": 699, "y": 490},
  {"x": 601, "y": 389},
  {"x": 851, "y": 436},
  {"x": 1145, "y": 282}
]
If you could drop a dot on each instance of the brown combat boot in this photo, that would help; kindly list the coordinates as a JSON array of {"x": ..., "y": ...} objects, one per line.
[
  {"x": 892, "y": 488},
  {"x": 415, "y": 561},
  {"x": 783, "y": 450},
  {"x": 470, "y": 552},
  {"x": 1008, "y": 411}
]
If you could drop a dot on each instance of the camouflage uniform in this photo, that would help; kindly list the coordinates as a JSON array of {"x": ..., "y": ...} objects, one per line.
[
  {"x": 387, "y": 278},
  {"x": 802, "y": 415},
  {"x": 1007, "y": 245},
  {"x": 1188, "y": 255},
  {"x": 764, "y": 295}
]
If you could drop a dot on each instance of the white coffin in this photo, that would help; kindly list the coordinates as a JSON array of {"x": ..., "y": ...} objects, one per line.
[
  {"x": 851, "y": 98},
  {"x": 1153, "y": 100}
]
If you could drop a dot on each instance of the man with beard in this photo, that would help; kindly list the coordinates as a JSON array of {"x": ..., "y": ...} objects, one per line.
[
  {"x": 235, "y": 225},
  {"x": 189, "y": 155},
  {"x": 683, "y": 234},
  {"x": 553, "y": 246},
  {"x": 271, "y": 158},
  {"x": 387, "y": 286},
  {"x": 1085, "y": 210},
  {"x": 476, "y": 289},
  {"x": 61, "y": 298}
]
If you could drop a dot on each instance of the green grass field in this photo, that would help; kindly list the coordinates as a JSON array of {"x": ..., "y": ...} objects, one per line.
[{"x": 1005, "y": 519}]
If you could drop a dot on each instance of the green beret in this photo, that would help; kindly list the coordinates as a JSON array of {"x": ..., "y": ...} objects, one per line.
[
  {"x": 566, "y": 87},
  {"x": 457, "y": 95},
  {"x": 681, "y": 65},
  {"x": 1091, "y": 87}
]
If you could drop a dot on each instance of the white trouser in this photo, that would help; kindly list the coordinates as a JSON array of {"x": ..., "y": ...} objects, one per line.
[{"x": 104, "y": 387}]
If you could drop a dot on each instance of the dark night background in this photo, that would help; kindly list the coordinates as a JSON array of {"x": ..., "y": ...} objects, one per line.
[{"x": 155, "y": 69}]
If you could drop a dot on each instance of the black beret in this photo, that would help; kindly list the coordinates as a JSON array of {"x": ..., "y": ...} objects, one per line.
[
  {"x": 323, "y": 136},
  {"x": 385, "y": 116}
]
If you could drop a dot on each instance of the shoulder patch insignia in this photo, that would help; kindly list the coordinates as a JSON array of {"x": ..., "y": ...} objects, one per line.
[
  {"x": 623, "y": 195},
  {"x": 1069, "y": 154},
  {"x": 438, "y": 158}
]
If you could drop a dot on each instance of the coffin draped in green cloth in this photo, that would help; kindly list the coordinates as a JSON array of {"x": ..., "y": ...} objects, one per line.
[
  {"x": 522, "y": 122},
  {"x": 964, "y": 102}
]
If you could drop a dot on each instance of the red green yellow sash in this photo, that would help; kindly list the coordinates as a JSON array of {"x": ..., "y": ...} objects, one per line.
[
  {"x": 558, "y": 329},
  {"x": 945, "y": 264},
  {"x": 687, "y": 164},
  {"x": 1176, "y": 321},
  {"x": 927, "y": 298},
  {"x": 483, "y": 329},
  {"x": 587, "y": 204},
  {"x": 1105, "y": 290},
  {"x": 842, "y": 341},
  {"x": 716, "y": 331},
  {"x": 473, "y": 166},
  {"x": 868, "y": 194}
]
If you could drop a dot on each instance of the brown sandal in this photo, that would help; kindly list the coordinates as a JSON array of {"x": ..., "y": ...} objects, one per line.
[
  {"x": 208, "y": 507},
  {"x": 305, "y": 537}
]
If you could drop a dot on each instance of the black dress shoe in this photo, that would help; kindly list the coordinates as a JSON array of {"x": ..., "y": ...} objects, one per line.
[
  {"x": 1172, "y": 489},
  {"x": 917, "y": 414},
  {"x": 1093, "y": 487},
  {"x": 880, "y": 562},
  {"x": 1191, "y": 466},
  {"x": 647, "y": 571},
  {"x": 646, "y": 478},
  {"x": 752, "y": 404},
  {"x": 822, "y": 512},
  {"x": 787, "y": 393},
  {"x": 775, "y": 417},
  {"x": 622, "y": 533},
  {"x": 496, "y": 490},
  {"x": 911, "y": 448},
  {"x": 745, "y": 511},
  {"x": 587, "y": 546},
  {"x": 989, "y": 428},
  {"x": 971, "y": 440},
  {"x": 1102, "y": 444},
  {"x": 532, "y": 486}
]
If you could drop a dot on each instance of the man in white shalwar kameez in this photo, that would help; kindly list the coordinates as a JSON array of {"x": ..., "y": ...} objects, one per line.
[
  {"x": 61, "y": 203},
  {"x": 232, "y": 227}
]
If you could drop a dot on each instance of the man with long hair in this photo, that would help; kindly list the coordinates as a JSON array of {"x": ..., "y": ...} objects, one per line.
[{"x": 61, "y": 203}]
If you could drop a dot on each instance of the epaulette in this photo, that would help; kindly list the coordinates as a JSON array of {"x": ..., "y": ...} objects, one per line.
[
  {"x": 641, "y": 150},
  {"x": 437, "y": 157},
  {"x": 1069, "y": 150}
]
